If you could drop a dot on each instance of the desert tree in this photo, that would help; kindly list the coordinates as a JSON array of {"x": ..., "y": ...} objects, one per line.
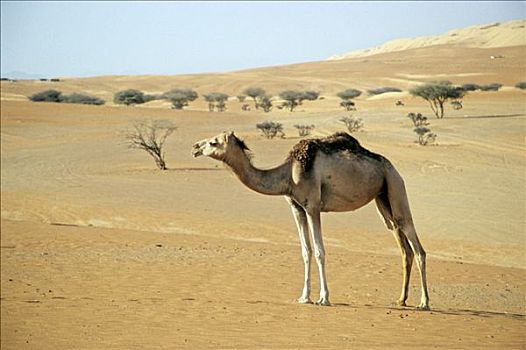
[
  {"x": 216, "y": 100},
  {"x": 437, "y": 93},
  {"x": 255, "y": 93},
  {"x": 521, "y": 85},
  {"x": 295, "y": 98},
  {"x": 347, "y": 96},
  {"x": 304, "y": 130},
  {"x": 353, "y": 124},
  {"x": 129, "y": 97},
  {"x": 265, "y": 102},
  {"x": 291, "y": 98},
  {"x": 180, "y": 97},
  {"x": 151, "y": 137},
  {"x": 271, "y": 129}
]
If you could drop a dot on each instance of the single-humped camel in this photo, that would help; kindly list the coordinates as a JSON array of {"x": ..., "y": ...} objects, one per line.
[{"x": 332, "y": 174}]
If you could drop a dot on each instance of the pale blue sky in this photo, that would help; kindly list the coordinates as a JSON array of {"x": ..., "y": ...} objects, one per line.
[{"x": 99, "y": 38}]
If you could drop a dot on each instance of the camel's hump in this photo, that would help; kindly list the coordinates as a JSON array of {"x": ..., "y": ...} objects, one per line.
[{"x": 305, "y": 150}]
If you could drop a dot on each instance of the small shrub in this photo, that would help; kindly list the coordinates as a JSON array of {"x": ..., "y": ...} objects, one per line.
[
  {"x": 383, "y": 90},
  {"x": 304, "y": 130},
  {"x": 241, "y": 98},
  {"x": 470, "y": 87},
  {"x": 271, "y": 129},
  {"x": 456, "y": 104},
  {"x": 83, "y": 99},
  {"x": 348, "y": 105},
  {"x": 425, "y": 136},
  {"x": 349, "y": 94},
  {"x": 491, "y": 87},
  {"x": 521, "y": 85},
  {"x": 55, "y": 80},
  {"x": 418, "y": 119},
  {"x": 47, "y": 96},
  {"x": 353, "y": 124},
  {"x": 129, "y": 97}
]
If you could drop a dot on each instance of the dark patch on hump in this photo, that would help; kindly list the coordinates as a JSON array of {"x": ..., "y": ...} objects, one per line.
[{"x": 305, "y": 151}]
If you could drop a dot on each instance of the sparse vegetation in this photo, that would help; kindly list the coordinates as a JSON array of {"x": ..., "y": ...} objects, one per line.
[
  {"x": 420, "y": 122},
  {"x": 304, "y": 130},
  {"x": 255, "y": 93},
  {"x": 521, "y": 85},
  {"x": 418, "y": 119},
  {"x": 241, "y": 98},
  {"x": 470, "y": 87},
  {"x": 58, "y": 97},
  {"x": 353, "y": 124},
  {"x": 456, "y": 104},
  {"x": 271, "y": 129},
  {"x": 216, "y": 100},
  {"x": 383, "y": 90},
  {"x": 129, "y": 97},
  {"x": 347, "y": 96},
  {"x": 151, "y": 137},
  {"x": 265, "y": 102},
  {"x": 425, "y": 136},
  {"x": 295, "y": 98},
  {"x": 47, "y": 96},
  {"x": 83, "y": 99},
  {"x": 491, "y": 87},
  {"x": 437, "y": 93},
  {"x": 180, "y": 97}
]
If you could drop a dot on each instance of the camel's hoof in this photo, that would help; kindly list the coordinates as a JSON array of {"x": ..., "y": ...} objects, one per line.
[
  {"x": 401, "y": 303},
  {"x": 304, "y": 301},
  {"x": 323, "y": 302},
  {"x": 423, "y": 307}
]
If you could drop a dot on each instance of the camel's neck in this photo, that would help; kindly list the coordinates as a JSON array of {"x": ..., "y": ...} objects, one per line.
[{"x": 274, "y": 181}]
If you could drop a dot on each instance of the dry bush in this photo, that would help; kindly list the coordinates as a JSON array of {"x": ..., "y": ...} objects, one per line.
[
  {"x": 353, "y": 124},
  {"x": 151, "y": 137}
]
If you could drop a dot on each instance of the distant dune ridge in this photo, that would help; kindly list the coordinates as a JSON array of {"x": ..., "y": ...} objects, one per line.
[{"x": 499, "y": 34}]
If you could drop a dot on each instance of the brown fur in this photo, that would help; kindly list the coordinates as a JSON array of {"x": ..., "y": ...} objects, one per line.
[{"x": 305, "y": 150}]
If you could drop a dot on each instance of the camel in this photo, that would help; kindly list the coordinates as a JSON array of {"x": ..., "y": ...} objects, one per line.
[{"x": 331, "y": 174}]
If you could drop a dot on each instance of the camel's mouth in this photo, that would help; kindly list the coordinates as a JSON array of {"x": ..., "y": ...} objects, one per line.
[{"x": 197, "y": 151}]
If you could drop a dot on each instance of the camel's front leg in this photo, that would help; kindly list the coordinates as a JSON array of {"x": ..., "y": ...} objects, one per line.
[
  {"x": 306, "y": 251},
  {"x": 314, "y": 221}
]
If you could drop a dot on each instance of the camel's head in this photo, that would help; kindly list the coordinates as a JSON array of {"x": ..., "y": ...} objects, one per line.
[{"x": 217, "y": 146}]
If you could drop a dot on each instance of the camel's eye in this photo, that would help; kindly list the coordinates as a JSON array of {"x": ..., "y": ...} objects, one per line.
[{"x": 213, "y": 143}]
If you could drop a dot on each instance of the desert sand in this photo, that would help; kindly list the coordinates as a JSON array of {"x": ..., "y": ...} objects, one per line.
[{"x": 99, "y": 250}]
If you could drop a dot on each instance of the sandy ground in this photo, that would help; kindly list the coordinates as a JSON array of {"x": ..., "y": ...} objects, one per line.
[{"x": 99, "y": 250}]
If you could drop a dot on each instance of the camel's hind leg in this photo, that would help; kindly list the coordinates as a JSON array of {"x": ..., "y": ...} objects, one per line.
[{"x": 384, "y": 209}]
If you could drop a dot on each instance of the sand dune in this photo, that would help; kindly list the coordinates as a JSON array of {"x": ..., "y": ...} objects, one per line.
[
  {"x": 494, "y": 35},
  {"x": 100, "y": 250}
]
